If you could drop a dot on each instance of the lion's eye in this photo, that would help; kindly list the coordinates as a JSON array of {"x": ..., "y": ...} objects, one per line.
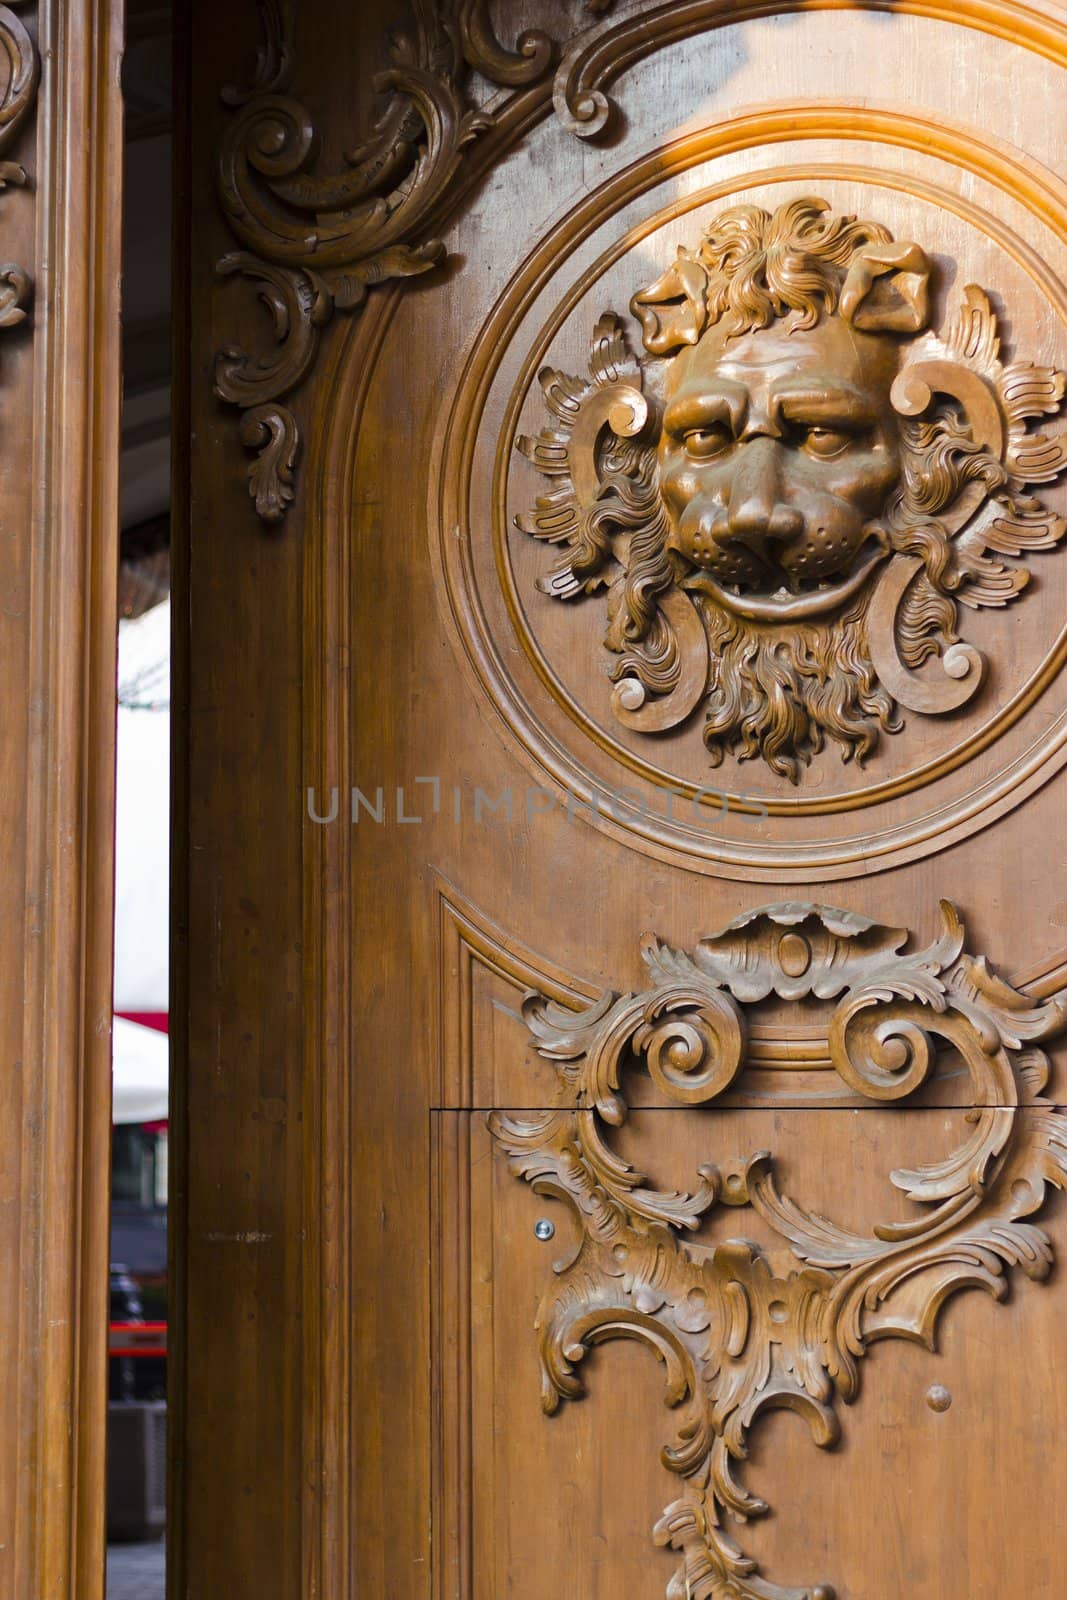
[
  {"x": 826, "y": 442},
  {"x": 703, "y": 443}
]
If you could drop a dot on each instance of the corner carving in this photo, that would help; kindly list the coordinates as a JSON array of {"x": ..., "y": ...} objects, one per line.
[
  {"x": 737, "y": 1337},
  {"x": 791, "y": 501},
  {"x": 315, "y": 243}
]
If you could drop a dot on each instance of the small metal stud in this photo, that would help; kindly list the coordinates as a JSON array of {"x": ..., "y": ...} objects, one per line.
[
  {"x": 544, "y": 1229},
  {"x": 938, "y": 1398}
]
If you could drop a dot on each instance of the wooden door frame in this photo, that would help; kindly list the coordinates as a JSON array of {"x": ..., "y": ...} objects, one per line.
[{"x": 62, "y": 502}]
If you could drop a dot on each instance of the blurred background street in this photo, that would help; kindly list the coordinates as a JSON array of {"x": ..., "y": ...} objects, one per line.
[{"x": 135, "y": 1571}]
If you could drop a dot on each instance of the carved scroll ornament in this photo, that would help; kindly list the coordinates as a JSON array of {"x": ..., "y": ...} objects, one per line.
[
  {"x": 315, "y": 243},
  {"x": 737, "y": 1334},
  {"x": 23, "y": 71},
  {"x": 790, "y": 499}
]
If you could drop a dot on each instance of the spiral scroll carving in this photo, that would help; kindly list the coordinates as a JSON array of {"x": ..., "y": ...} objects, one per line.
[
  {"x": 315, "y": 243},
  {"x": 737, "y": 1336}
]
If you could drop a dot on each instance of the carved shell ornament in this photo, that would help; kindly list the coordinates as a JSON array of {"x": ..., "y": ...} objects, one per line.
[
  {"x": 742, "y": 1331},
  {"x": 790, "y": 503}
]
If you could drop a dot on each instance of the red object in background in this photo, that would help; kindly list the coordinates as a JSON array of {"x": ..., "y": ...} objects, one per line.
[
  {"x": 137, "y": 1339},
  {"x": 147, "y": 1019}
]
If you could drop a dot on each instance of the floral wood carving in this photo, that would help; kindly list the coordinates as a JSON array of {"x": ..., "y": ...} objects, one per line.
[
  {"x": 737, "y": 1337},
  {"x": 790, "y": 499},
  {"x": 16, "y": 101},
  {"x": 313, "y": 243}
]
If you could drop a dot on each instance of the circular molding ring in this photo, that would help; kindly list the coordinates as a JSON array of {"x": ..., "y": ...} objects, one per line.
[
  {"x": 693, "y": 845},
  {"x": 788, "y": 805}
]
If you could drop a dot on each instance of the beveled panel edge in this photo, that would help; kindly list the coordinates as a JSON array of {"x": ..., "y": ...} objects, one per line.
[{"x": 465, "y": 937}]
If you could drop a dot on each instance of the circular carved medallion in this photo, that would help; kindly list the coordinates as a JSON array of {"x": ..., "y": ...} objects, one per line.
[{"x": 749, "y": 507}]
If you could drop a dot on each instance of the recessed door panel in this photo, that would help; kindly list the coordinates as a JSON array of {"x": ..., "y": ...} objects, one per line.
[{"x": 942, "y": 1456}]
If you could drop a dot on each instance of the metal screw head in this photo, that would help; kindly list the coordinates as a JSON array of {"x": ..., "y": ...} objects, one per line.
[{"x": 543, "y": 1229}]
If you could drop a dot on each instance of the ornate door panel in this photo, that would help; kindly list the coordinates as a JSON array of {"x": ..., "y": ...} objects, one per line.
[
  {"x": 585, "y": 1492},
  {"x": 760, "y": 1256},
  {"x": 643, "y": 509}
]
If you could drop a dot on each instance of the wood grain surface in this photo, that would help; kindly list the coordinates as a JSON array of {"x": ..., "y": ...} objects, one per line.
[
  {"x": 410, "y": 800},
  {"x": 61, "y": 140}
]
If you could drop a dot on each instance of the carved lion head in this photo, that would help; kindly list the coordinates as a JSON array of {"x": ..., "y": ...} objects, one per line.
[{"x": 791, "y": 497}]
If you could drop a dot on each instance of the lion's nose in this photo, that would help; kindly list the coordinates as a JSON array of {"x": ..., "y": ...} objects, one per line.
[{"x": 756, "y": 515}]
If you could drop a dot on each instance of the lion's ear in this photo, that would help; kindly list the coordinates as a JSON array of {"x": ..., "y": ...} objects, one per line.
[
  {"x": 887, "y": 289},
  {"x": 673, "y": 311}
]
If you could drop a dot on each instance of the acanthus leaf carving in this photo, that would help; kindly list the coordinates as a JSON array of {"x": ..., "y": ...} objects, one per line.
[
  {"x": 14, "y": 294},
  {"x": 739, "y": 1333},
  {"x": 315, "y": 242},
  {"x": 270, "y": 431}
]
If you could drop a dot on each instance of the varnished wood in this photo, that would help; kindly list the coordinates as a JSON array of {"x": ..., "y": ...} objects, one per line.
[
  {"x": 59, "y": 445},
  {"x": 354, "y": 986},
  {"x": 762, "y": 558},
  {"x": 738, "y": 1335},
  {"x": 892, "y": 1505}
]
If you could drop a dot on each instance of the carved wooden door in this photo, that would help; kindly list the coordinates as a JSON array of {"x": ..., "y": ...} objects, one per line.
[{"x": 624, "y": 906}]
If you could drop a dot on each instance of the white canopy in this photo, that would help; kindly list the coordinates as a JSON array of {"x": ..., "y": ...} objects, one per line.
[
  {"x": 142, "y": 834},
  {"x": 142, "y": 813},
  {"x": 139, "y": 1081}
]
